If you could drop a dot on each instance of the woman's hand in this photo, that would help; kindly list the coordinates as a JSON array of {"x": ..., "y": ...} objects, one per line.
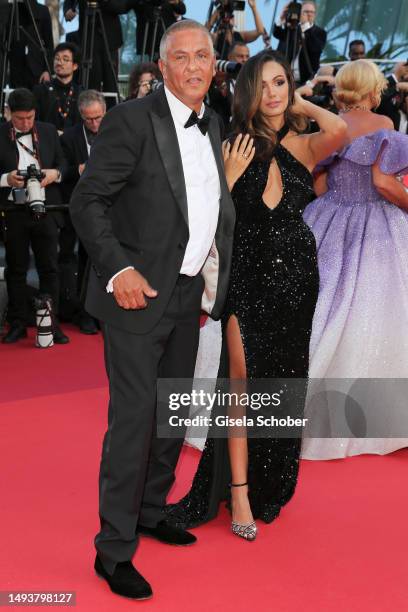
[{"x": 237, "y": 158}]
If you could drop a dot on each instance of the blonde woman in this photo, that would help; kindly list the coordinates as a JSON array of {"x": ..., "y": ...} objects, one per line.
[{"x": 360, "y": 222}]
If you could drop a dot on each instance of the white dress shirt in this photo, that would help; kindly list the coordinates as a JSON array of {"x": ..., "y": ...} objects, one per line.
[
  {"x": 24, "y": 160},
  {"x": 202, "y": 187}
]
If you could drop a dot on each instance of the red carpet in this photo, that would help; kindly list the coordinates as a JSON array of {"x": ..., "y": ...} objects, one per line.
[{"x": 340, "y": 545}]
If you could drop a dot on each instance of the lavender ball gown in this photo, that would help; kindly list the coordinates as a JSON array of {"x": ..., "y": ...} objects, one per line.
[{"x": 360, "y": 326}]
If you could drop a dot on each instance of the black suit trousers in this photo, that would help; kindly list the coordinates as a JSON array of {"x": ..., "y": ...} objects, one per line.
[
  {"x": 137, "y": 467},
  {"x": 21, "y": 233}
]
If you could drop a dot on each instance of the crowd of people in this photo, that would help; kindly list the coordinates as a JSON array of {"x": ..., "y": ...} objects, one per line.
[
  {"x": 279, "y": 208},
  {"x": 60, "y": 99}
]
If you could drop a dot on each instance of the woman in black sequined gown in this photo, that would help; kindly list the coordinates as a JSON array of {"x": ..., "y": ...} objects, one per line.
[{"x": 273, "y": 286}]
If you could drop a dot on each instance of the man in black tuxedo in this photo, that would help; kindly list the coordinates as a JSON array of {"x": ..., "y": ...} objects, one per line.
[
  {"x": 303, "y": 45},
  {"x": 76, "y": 144},
  {"x": 23, "y": 142},
  {"x": 100, "y": 76},
  {"x": 155, "y": 215},
  {"x": 27, "y": 62}
]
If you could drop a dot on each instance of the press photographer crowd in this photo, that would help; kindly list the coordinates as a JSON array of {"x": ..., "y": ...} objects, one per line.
[{"x": 53, "y": 101}]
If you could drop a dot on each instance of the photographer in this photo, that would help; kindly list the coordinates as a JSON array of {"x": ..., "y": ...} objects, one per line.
[
  {"x": 148, "y": 12},
  {"x": 319, "y": 89},
  {"x": 57, "y": 99},
  {"x": 221, "y": 92},
  {"x": 141, "y": 78},
  {"x": 224, "y": 34},
  {"x": 76, "y": 144},
  {"x": 300, "y": 40},
  {"x": 101, "y": 76},
  {"x": 35, "y": 144},
  {"x": 393, "y": 96},
  {"x": 27, "y": 63}
]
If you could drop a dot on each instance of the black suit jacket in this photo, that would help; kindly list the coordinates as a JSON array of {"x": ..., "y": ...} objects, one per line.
[
  {"x": 130, "y": 209},
  {"x": 51, "y": 156},
  {"x": 110, "y": 11},
  {"x": 314, "y": 41},
  {"x": 390, "y": 102},
  {"x": 34, "y": 59},
  {"x": 75, "y": 151}
]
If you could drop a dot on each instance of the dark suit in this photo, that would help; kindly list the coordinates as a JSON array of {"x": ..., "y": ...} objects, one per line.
[
  {"x": 26, "y": 59},
  {"x": 314, "y": 41},
  {"x": 110, "y": 11},
  {"x": 391, "y": 102},
  {"x": 23, "y": 231},
  {"x": 130, "y": 208}
]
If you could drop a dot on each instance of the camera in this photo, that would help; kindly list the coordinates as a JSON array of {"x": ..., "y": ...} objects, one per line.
[
  {"x": 322, "y": 95},
  {"x": 230, "y": 68},
  {"x": 293, "y": 14},
  {"x": 154, "y": 84},
  {"x": 32, "y": 193},
  {"x": 226, "y": 9}
]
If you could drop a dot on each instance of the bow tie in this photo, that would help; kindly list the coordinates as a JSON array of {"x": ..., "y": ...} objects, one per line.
[
  {"x": 21, "y": 134},
  {"x": 202, "y": 123}
]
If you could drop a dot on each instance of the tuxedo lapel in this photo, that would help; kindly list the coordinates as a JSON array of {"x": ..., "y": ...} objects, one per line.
[{"x": 169, "y": 151}]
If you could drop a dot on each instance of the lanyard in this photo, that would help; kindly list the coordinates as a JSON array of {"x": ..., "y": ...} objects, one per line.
[
  {"x": 34, "y": 136},
  {"x": 27, "y": 149}
]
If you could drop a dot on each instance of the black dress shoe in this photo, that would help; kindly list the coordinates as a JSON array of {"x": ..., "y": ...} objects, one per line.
[
  {"x": 87, "y": 325},
  {"x": 125, "y": 580},
  {"x": 16, "y": 332},
  {"x": 168, "y": 534},
  {"x": 59, "y": 336}
]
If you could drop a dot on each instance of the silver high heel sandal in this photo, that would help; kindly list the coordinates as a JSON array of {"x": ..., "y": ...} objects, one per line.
[{"x": 247, "y": 531}]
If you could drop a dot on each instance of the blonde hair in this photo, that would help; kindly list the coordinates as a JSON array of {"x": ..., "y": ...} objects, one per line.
[{"x": 357, "y": 80}]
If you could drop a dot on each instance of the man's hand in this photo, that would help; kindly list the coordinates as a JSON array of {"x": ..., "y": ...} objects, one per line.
[
  {"x": 81, "y": 168},
  {"x": 14, "y": 180},
  {"x": 130, "y": 289},
  {"x": 70, "y": 15},
  {"x": 45, "y": 77},
  {"x": 284, "y": 13},
  {"x": 402, "y": 86},
  {"x": 305, "y": 91},
  {"x": 50, "y": 177}
]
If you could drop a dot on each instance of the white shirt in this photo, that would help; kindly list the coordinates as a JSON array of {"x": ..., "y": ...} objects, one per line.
[
  {"x": 202, "y": 187},
  {"x": 24, "y": 160},
  {"x": 403, "y": 122}
]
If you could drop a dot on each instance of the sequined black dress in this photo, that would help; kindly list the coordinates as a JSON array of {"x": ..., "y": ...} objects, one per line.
[{"x": 273, "y": 292}]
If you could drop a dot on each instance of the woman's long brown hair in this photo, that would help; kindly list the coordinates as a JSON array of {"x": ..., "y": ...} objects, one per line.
[{"x": 246, "y": 115}]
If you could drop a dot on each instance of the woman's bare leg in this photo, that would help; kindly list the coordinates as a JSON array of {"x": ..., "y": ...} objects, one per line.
[{"x": 237, "y": 445}]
